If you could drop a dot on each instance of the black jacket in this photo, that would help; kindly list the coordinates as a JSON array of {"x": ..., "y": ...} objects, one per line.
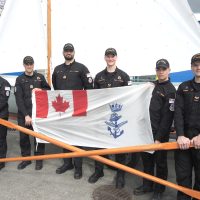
[
  {"x": 162, "y": 110},
  {"x": 4, "y": 96},
  {"x": 75, "y": 76},
  {"x": 104, "y": 79},
  {"x": 23, "y": 91},
  {"x": 187, "y": 109}
]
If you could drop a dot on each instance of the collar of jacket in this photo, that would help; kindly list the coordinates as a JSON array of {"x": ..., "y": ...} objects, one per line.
[
  {"x": 162, "y": 83},
  {"x": 106, "y": 71},
  {"x": 69, "y": 64},
  {"x": 194, "y": 85},
  {"x": 34, "y": 73}
]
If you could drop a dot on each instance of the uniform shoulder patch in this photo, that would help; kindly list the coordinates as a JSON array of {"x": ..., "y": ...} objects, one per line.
[
  {"x": 90, "y": 80},
  {"x": 7, "y": 88},
  {"x": 171, "y": 104},
  {"x": 129, "y": 82},
  {"x": 88, "y": 75}
]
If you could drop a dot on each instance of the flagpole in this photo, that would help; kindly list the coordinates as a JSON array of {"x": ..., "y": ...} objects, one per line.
[
  {"x": 49, "y": 46},
  {"x": 190, "y": 192}
]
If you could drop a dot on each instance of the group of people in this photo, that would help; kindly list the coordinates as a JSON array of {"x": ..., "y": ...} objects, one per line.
[{"x": 166, "y": 105}]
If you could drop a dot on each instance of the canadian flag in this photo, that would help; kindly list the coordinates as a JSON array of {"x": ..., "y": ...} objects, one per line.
[
  {"x": 104, "y": 118},
  {"x": 74, "y": 102}
]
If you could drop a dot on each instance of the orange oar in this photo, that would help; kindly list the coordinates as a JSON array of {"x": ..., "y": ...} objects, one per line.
[
  {"x": 140, "y": 148},
  {"x": 190, "y": 192}
]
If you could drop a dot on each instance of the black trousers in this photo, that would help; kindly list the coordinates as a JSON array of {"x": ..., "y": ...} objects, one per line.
[
  {"x": 159, "y": 160},
  {"x": 185, "y": 161},
  {"x": 3, "y": 141},
  {"x": 77, "y": 161},
  {"x": 25, "y": 145},
  {"x": 120, "y": 158}
]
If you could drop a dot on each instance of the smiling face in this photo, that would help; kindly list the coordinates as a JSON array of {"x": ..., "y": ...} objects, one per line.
[
  {"x": 110, "y": 60},
  {"x": 162, "y": 73},
  {"x": 196, "y": 69},
  {"x": 29, "y": 68}
]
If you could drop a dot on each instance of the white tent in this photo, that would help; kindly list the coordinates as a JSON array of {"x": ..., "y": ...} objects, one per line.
[
  {"x": 22, "y": 33},
  {"x": 141, "y": 31}
]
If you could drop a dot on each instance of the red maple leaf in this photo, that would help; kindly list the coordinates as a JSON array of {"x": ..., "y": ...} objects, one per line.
[{"x": 59, "y": 104}]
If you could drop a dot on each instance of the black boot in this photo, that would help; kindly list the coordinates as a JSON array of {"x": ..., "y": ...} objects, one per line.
[
  {"x": 95, "y": 176},
  {"x": 23, "y": 164},
  {"x": 78, "y": 173},
  {"x": 157, "y": 196},
  {"x": 120, "y": 181},
  {"x": 142, "y": 190},
  {"x": 64, "y": 168},
  {"x": 39, "y": 164},
  {"x": 2, "y": 165}
]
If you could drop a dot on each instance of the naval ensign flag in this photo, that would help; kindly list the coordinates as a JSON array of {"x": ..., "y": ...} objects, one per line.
[{"x": 104, "y": 118}]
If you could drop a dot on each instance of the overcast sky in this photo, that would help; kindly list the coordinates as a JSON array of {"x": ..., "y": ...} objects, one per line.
[{"x": 195, "y": 5}]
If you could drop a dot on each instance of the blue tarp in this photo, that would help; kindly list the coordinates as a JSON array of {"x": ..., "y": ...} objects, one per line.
[{"x": 181, "y": 76}]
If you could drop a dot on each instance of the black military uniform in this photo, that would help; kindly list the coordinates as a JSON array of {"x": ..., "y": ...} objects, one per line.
[
  {"x": 161, "y": 116},
  {"x": 23, "y": 94},
  {"x": 74, "y": 76},
  {"x": 187, "y": 123},
  {"x": 105, "y": 79},
  {"x": 4, "y": 95}
]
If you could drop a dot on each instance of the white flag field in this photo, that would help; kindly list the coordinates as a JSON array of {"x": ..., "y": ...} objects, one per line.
[{"x": 104, "y": 118}]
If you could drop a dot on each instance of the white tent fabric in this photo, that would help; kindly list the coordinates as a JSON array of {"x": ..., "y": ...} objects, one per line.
[
  {"x": 142, "y": 31},
  {"x": 22, "y": 33}
]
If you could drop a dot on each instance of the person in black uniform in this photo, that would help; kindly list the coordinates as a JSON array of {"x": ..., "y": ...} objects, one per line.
[
  {"x": 161, "y": 116},
  {"x": 71, "y": 75},
  {"x": 187, "y": 125},
  {"x": 25, "y": 84},
  {"x": 111, "y": 76},
  {"x": 4, "y": 96}
]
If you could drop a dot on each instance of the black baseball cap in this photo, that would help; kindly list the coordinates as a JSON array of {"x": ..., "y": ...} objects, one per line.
[
  {"x": 195, "y": 58},
  {"x": 28, "y": 60},
  {"x": 111, "y": 51},
  {"x": 162, "y": 63},
  {"x": 68, "y": 46}
]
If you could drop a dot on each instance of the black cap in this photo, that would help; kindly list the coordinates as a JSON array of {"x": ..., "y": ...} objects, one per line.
[
  {"x": 28, "y": 60},
  {"x": 68, "y": 46},
  {"x": 111, "y": 51},
  {"x": 162, "y": 63},
  {"x": 195, "y": 58}
]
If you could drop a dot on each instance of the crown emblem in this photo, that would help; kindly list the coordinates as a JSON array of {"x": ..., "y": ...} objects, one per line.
[
  {"x": 114, "y": 126},
  {"x": 115, "y": 107}
]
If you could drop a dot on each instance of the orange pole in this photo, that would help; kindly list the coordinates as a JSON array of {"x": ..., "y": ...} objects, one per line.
[
  {"x": 49, "y": 41},
  {"x": 190, "y": 192},
  {"x": 133, "y": 149}
]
